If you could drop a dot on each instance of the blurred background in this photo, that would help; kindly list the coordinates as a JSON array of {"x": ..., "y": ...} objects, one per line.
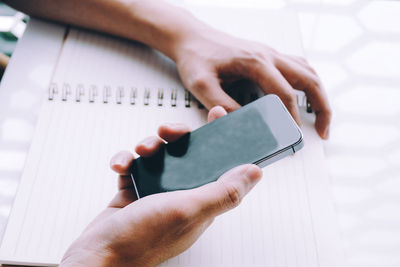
[
  {"x": 355, "y": 47},
  {"x": 12, "y": 26}
]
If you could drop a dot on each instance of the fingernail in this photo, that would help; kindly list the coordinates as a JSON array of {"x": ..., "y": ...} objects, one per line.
[
  {"x": 149, "y": 142},
  {"x": 220, "y": 108},
  {"x": 118, "y": 159},
  {"x": 169, "y": 124},
  {"x": 253, "y": 173},
  {"x": 174, "y": 125},
  {"x": 177, "y": 127}
]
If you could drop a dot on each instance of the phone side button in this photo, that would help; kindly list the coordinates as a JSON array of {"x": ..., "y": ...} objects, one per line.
[{"x": 298, "y": 146}]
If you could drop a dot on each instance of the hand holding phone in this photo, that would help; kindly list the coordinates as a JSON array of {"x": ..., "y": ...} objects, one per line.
[
  {"x": 128, "y": 231},
  {"x": 258, "y": 133}
]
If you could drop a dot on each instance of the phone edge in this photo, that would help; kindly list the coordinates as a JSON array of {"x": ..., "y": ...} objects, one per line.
[
  {"x": 134, "y": 185},
  {"x": 289, "y": 150}
]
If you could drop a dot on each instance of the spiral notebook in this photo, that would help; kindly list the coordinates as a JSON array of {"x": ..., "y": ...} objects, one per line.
[{"x": 105, "y": 95}]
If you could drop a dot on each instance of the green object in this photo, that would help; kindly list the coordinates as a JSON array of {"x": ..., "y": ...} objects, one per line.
[
  {"x": 8, "y": 42},
  {"x": 8, "y": 37}
]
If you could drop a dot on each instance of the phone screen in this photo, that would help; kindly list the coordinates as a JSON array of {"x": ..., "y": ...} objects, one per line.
[{"x": 203, "y": 155}]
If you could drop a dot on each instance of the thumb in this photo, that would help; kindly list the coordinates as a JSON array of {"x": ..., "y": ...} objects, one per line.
[{"x": 227, "y": 192}]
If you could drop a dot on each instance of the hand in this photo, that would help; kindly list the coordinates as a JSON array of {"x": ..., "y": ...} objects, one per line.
[
  {"x": 207, "y": 58},
  {"x": 146, "y": 232}
]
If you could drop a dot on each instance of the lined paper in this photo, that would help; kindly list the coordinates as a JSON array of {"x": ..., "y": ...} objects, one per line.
[
  {"x": 67, "y": 180},
  {"x": 273, "y": 225}
]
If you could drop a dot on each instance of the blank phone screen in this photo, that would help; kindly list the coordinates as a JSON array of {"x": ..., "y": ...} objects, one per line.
[{"x": 205, "y": 154}]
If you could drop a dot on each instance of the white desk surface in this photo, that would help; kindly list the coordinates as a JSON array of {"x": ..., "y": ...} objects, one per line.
[{"x": 355, "y": 47}]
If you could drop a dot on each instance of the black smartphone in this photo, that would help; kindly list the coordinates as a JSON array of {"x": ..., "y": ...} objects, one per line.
[{"x": 260, "y": 132}]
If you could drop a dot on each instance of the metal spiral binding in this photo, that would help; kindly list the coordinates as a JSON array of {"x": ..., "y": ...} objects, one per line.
[
  {"x": 187, "y": 99},
  {"x": 174, "y": 96},
  {"x": 160, "y": 97},
  {"x": 53, "y": 89},
  {"x": 92, "y": 93},
  {"x": 79, "y": 92},
  {"x": 106, "y": 93},
  {"x": 132, "y": 97},
  {"x": 308, "y": 106},
  {"x": 146, "y": 96},
  {"x": 119, "y": 94},
  {"x": 65, "y": 91}
]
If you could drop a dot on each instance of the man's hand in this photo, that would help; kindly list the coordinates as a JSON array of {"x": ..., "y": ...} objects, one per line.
[
  {"x": 204, "y": 56},
  {"x": 148, "y": 231},
  {"x": 208, "y": 58}
]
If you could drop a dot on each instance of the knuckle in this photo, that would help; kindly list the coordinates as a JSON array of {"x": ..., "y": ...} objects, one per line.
[
  {"x": 232, "y": 196},
  {"x": 255, "y": 57},
  {"x": 179, "y": 216},
  {"x": 289, "y": 98},
  {"x": 199, "y": 82},
  {"x": 259, "y": 56},
  {"x": 315, "y": 83},
  {"x": 306, "y": 64},
  {"x": 303, "y": 59}
]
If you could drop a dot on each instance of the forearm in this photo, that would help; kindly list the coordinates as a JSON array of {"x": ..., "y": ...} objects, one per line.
[{"x": 155, "y": 23}]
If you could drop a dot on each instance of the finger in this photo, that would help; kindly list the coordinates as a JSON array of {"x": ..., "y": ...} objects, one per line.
[
  {"x": 125, "y": 182},
  {"x": 172, "y": 131},
  {"x": 303, "y": 79},
  {"x": 226, "y": 193},
  {"x": 149, "y": 146},
  {"x": 215, "y": 113},
  {"x": 121, "y": 162},
  {"x": 301, "y": 61},
  {"x": 207, "y": 89},
  {"x": 272, "y": 82}
]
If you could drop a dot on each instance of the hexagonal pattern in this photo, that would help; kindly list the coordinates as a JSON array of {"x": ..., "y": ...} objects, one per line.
[
  {"x": 16, "y": 130},
  {"x": 363, "y": 135},
  {"x": 373, "y": 19},
  {"x": 355, "y": 46},
  {"x": 364, "y": 151},
  {"x": 376, "y": 58},
  {"x": 332, "y": 32},
  {"x": 359, "y": 100}
]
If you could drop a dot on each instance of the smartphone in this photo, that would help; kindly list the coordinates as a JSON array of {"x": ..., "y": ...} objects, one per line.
[{"x": 260, "y": 132}]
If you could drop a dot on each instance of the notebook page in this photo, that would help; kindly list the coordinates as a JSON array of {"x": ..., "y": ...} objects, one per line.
[
  {"x": 273, "y": 226},
  {"x": 60, "y": 193}
]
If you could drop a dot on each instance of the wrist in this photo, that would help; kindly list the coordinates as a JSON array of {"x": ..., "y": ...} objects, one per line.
[
  {"x": 165, "y": 27},
  {"x": 185, "y": 37}
]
